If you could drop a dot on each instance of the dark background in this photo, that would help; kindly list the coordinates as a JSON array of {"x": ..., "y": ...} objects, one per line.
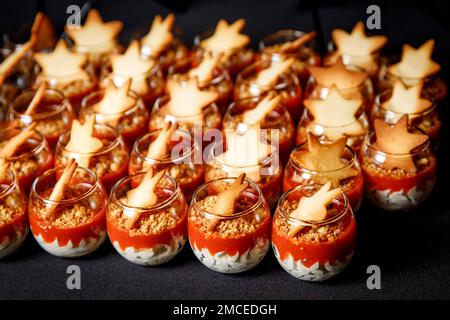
[{"x": 412, "y": 249}]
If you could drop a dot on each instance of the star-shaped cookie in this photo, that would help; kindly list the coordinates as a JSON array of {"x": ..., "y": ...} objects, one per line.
[
  {"x": 186, "y": 98},
  {"x": 114, "y": 103},
  {"x": 160, "y": 35},
  {"x": 397, "y": 142},
  {"x": 357, "y": 43},
  {"x": 64, "y": 65},
  {"x": 132, "y": 65},
  {"x": 82, "y": 141},
  {"x": 326, "y": 159},
  {"x": 159, "y": 148},
  {"x": 335, "y": 116},
  {"x": 96, "y": 34},
  {"x": 407, "y": 100},
  {"x": 313, "y": 208},
  {"x": 338, "y": 75},
  {"x": 416, "y": 63},
  {"x": 226, "y": 37}
]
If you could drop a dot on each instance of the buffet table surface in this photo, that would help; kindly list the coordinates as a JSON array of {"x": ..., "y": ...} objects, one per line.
[{"x": 412, "y": 249}]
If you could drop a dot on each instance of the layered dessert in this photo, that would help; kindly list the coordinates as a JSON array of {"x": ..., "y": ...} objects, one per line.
[
  {"x": 67, "y": 211},
  {"x": 314, "y": 232},
  {"x": 13, "y": 212},
  {"x": 229, "y": 228},
  {"x": 147, "y": 224},
  {"x": 399, "y": 166}
]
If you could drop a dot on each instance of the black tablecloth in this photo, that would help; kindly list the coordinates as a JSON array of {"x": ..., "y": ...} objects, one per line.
[{"x": 412, "y": 249}]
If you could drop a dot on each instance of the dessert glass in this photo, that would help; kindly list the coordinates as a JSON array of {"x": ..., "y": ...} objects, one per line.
[
  {"x": 180, "y": 164},
  {"x": 240, "y": 241},
  {"x": 278, "y": 120},
  {"x": 80, "y": 225},
  {"x": 220, "y": 82},
  {"x": 320, "y": 250},
  {"x": 110, "y": 163},
  {"x": 287, "y": 85},
  {"x": 131, "y": 123},
  {"x": 53, "y": 116},
  {"x": 297, "y": 175},
  {"x": 33, "y": 157},
  {"x": 305, "y": 55},
  {"x": 13, "y": 215},
  {"x": 161, "y": 230},
  {"x": 397, "y": 189}
]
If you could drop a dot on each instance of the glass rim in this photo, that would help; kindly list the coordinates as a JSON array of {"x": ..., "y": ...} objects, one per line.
[
  {"x": 359, "y": 119},
  {"x": 138, "y": 103},
  {"x": 40, "y": 138},
  {"x": 162, "y": 100},
  {"x": 234, "y": 104},
  {"x": 166, "y": 160},
  {"x": 108, "y": 72},
  {"x": 280, "y": 33},
  {"x": 11, "y": 185},
  {"x": 389, "y": 62},
  {"x": 156, "y": 207},
  {"x": 104, "y": 149},
  {"x": 289, "y": 77},
  {"x": 65, "y": 104},
  {"x": 178, "y": 76},
  {"x": 251, "y": 209},
  {"x": 345, "y": 208},
  {"x": 298, "y": 166},
  {"x": 84, "y": 195},
  {"x": 331, "y": 47}
]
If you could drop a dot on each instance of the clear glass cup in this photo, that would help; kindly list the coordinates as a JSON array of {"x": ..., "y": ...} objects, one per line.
[
  {"x": 428, "y": 120},
  {"x": 397, "y": 189},
  {"x": 307, "y": 125},
  {"x": 73, "y": 90},
  {"x": 320, "y": 250},
  {"x": 33, "y": 157},
  {"x": 270, "y": 173},
  {"x": 131, "y": 123},
  {"x": 305, "y": 55},
  {"x": 236, "y": 59},
  {"x": 433, "y": 84},
  {"x": 287, "y": 85},
  {"x": 148, "y": 86},
  {"x": 13, "y": 214},
  {"x": 295, "y": 174},
  {"x": 53, "y": 116},
  {"x": 109, "y": 163},
  {"x": 160, "y": 232},
  {"x": 278, "y": 124},
  {"x": 180, "y": 163},
  {"x": 220, "y": 82},
  {"x": 238, "y": 242},
  {"x": 79, "y": 224}
]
